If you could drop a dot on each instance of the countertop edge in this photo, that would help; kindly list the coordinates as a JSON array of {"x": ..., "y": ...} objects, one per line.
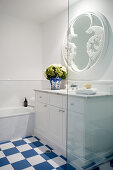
[{"x": 76, "y": 95}]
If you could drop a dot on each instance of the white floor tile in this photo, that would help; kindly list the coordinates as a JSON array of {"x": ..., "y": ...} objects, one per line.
[
  {"x": 30, "y": 168},
  {"x": 15, "y": 158},
  {"x": 2, "y": 155},
  {"x": 43, "y": 148},
  {"x": 30, "y": 140},
  {"x": 25, "y": 147},
  {"x": 56, "y": 162},
  {"x": 38, "y": 151},
  {"x": 7, "y": 146},
  {"x": 13, "y": 140},
  {"x": 7, "y": 167},
  {"x": 34, "y": 160}
]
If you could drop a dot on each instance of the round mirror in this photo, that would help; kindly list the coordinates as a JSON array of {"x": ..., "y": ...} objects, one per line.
[{"x": 84, "y": 42}]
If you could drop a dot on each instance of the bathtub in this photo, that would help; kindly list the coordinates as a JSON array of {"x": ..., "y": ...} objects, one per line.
[{"x": 16, "y": 123}]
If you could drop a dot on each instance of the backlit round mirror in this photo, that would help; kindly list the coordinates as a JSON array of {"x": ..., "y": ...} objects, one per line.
[{"x": 85, "y": 41}]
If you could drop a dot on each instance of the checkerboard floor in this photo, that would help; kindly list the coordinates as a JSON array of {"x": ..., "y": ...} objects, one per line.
[{"x": 29, "y": 153}]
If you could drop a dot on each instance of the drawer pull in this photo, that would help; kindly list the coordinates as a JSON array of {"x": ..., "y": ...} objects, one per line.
[
  {"x": 45, "y": 105},
  {"x": 61, "y": 110},
  {"x": 72, "y": 104}
]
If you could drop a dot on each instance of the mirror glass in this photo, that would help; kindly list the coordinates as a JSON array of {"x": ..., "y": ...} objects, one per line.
[{"x": 84, "y": 41}]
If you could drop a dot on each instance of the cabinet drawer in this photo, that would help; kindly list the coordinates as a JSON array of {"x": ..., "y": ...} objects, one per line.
[
  {"x": 76, "y": 104},
  {"x": 55, "y": 100},
  {"x": 42, "y": 97}
]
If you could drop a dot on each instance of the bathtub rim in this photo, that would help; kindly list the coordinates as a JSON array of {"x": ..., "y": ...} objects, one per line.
[{"x": 17, "y": 114}]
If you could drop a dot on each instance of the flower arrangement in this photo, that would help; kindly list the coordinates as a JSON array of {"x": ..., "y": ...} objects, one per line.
[{"x": 54, "y": 71}]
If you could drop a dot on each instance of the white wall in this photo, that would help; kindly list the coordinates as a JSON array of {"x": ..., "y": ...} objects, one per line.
[
  {"x": 53, "y": 32},
  {"x": 12, "y": 93},
  {"x": 20, "y": 60},
  {"x": 52, "y": 38},
  {"x": 20, "y": 49}
]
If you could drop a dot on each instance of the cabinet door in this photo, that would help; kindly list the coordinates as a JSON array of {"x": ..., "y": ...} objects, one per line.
[
  {"x": 55, "y": 124},
  {"x": 42, "y": 119}
]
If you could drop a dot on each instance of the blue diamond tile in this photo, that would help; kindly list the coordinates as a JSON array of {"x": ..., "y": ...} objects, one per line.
[
  {"x": 69, "y": 167},
  {"x": 43, "y": 166},
  {"x": 63, "y": 167},
  {"x": 4, "y": 142},
  {"x": 66, "y": 167},
  {"x": 49, "y": 147},
  {"x": 36, "y": 144},
  {"x": 48, "y": 156},
  {"x": 10, "y": 151},
  {"x": 19, "y": 142},
  {"x": 29, "y": 137},
  {"x": 21, "y": 165},
  {"x": 36, "y": 138},
  {"x": 63, "y": 158},
  {"x": 29, "y": 153},
  {"x": 3, "y": 162}
]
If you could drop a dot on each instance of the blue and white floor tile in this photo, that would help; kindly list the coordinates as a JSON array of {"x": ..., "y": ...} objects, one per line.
[{"x": 29, "y": 153}]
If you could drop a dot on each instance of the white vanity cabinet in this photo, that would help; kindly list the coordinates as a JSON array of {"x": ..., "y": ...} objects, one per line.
[
  {"x": 50, "y": 122},
  {"x": 90, "y": 129},
  {"x": 90, "y": 123}
]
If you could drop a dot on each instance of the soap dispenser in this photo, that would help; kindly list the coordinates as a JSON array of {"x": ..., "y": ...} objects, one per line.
[{"x": 25, "y": 102}]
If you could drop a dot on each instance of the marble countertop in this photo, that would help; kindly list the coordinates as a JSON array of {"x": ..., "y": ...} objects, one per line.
[{"x": 73, "y": 93}]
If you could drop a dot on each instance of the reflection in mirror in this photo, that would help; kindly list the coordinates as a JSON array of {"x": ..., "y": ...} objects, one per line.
[{"x": 85, "y": 42}]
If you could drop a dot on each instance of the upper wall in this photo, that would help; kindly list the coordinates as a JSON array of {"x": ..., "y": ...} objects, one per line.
[
  {"x": 20, "y": 49},
  {"x": 52, "y": 38},
  {"x": 53, "y": 34},
  {"x": 20, "y": 60}
]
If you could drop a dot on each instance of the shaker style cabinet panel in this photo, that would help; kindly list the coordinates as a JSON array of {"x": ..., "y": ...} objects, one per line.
[
  {"x": 42, "y": 118},
  {"x": 55, "y": 124}
]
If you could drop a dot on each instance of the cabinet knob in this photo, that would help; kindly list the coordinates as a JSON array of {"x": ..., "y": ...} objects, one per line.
[
  {"x": 72, "y": 104},
  {"x": 40, "y": 97},
  {"x": 45, "y": 105}
]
